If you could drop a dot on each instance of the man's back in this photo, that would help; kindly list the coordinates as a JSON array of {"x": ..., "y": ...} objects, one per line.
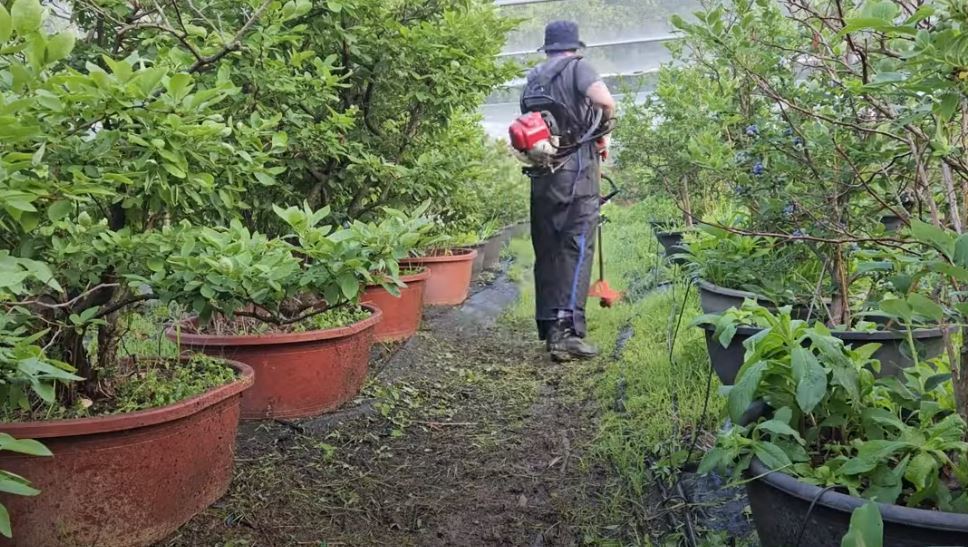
[{"x": 569, "y": 76}]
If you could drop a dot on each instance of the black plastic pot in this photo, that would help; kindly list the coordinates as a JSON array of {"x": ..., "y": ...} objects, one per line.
[
  {"x": 716, "y": 299},
  {"x": 492, "y": 251},
  {"x": 672, "y": 243},
  {"x": 727, "y": 361},
  {"x": 893, "y": 353},
  {"x": 478, "y": 266},
  {"x": 518, "y": 230},
  {"x": 780, "y": 504},
  {"x": 892, "y": 223}
]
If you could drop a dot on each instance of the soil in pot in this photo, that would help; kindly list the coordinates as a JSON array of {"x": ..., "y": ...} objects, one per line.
[
  {"x": 450, "y": 275},
  {"x": 401, "y": 314},
  {"x": 893, "y": 354},
  {"x": 780, "y": 504},
  {"x": 126, "y": 479},
  {"x": 298, "y": 374}
]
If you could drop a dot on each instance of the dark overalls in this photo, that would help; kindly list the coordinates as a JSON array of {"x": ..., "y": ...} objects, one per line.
[{"x": 564, "y": 217}]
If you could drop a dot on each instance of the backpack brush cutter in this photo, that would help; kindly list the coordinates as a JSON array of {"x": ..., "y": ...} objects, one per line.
[{"x": 607, "y": 295}]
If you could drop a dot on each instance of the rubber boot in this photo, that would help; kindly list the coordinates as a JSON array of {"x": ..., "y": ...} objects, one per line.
[{"x": 565, "y": 346}]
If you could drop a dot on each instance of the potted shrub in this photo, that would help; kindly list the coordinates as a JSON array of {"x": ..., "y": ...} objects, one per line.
[
  {"x": 733, "y": 333},
  {"x": 830, "y": 435},
  {"x": 95, "y": 161},
  {"x": 288, "y": 307},
  {"x": 451, "y": 268},
  {"x": 400, "y": 303}
]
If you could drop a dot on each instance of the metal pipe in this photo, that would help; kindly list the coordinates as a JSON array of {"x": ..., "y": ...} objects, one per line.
[
  {"x": 502, "y": 3},
  {"x": 521, "y": 81},
  {"x": 632, "y": 41}
]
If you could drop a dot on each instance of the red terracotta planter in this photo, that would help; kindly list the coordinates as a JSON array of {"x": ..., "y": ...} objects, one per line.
[
  {"x": 401, "y": 314},
  {"x": 450, "y": 276},
  {"x": 125, "y": 480},
  {"x": 297, "y": 375}
]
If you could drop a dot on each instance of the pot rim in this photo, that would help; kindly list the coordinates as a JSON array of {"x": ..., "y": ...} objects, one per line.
[
  {"x": 422, "y": 275},
  {"x": 671, "y": 233},
  {"x": 77, "y": 427},
  {"x": 459, "y": 255},
  {"x": 190, "y": 340},
  {"x": 850, "y": 335},
  {"x": 897, "y": 514},
  {"x": 726, "y": 291}
]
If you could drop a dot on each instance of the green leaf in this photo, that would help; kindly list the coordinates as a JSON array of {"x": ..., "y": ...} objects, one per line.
[
  {"x": 60, "y": 46},
  {"x": 779, "y": 428},
  {"x": 866, "y": 527},
  {"x": 772, "y": 456},
  {"x": 711, "y": 460},
  {"x": 926, "y": 307},
  {"x": 929, "y": 234},
  {"x": 179, "y": 85},
  {"x": 919, "y": 469},
  {"x": 6, "y": 24},
  {"x": 741, "y": 396},
  {"x": 811, "y": 379},
  {"x": 961, "y": 251},
  {"x": 349, "y": 285},
  {"x": 870, "y": 454},
  {"x": 898, "y": 309},
  {"x": 5, "y": 522},
  {"x": 16, "y": 487},
  {"x": 27, "y": 15},
  {"x": 933, "y": 382},
  {"x": 59, "y": 210},
  {"x": 23, "y": 446}
]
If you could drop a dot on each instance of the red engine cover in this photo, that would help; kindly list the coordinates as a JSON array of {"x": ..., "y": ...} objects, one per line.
[{"x": 527, "y": 131}]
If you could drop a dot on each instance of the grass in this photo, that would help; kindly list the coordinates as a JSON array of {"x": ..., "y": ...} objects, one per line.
[{"x": 649, "y": 396}]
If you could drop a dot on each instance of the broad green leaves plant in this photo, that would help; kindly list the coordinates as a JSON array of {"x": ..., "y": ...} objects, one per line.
[{"x": 832, "y": 424}]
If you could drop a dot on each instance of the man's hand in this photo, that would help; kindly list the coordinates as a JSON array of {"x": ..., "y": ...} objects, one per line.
[
  {"x": 601, "y": 97},
  {"x": 602, "y": 144}
]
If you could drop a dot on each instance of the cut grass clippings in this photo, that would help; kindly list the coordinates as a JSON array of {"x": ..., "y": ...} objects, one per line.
[{"x": 650, "y": 405}]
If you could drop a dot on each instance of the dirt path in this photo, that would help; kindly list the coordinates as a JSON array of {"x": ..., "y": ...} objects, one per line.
[{"x": 466, "y": 435}]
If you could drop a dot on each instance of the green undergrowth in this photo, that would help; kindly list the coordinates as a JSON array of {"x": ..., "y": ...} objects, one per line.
[
  {"x": 147, "y": 375},
  {"x": 650, "y": 406}
]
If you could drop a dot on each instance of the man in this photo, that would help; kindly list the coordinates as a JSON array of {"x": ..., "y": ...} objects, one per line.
[{"x": 565, "y": 197}]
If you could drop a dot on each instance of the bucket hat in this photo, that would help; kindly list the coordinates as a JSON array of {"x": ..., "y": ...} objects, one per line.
[{"x": 561, "y": 36}]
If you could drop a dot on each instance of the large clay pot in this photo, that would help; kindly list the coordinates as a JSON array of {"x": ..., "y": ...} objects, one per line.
[
  {"x": 297, "y": 375},
  {"x": 450, "y": 276},
  {"x": 129, "y": 479},
  {"x": 401, "y": 314}
]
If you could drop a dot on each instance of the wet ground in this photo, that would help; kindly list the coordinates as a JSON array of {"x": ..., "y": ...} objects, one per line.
[{"x": 466, "y": 435}]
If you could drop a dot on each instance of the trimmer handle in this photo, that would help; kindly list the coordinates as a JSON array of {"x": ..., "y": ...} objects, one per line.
[{"x": 611, "y": 195}]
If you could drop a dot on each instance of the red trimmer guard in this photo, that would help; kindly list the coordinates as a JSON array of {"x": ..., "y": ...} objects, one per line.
[{"x": 608, "y": 295}]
